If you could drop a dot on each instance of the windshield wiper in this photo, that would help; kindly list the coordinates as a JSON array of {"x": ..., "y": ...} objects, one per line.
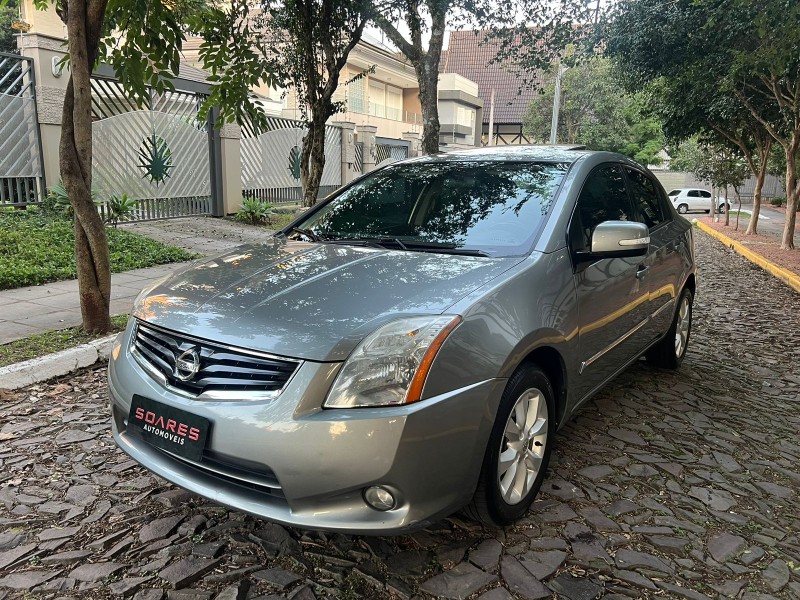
[
  {"x": 314, "y": 237},
  {"x": 377, "y": 242},
  {"x": 414, "y": 246},
  {"x": 444, "y": 248},
  {"x": 457, "y": 251}
]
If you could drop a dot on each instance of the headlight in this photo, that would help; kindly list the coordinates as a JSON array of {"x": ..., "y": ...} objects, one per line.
[{"x": 389, "y": 367}]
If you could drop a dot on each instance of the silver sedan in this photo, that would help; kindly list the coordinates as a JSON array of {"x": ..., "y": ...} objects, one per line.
[{"x": 410, "y": 346}]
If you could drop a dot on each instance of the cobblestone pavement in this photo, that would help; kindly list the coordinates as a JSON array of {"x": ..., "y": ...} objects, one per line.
[{"x": 667, "y": 485}]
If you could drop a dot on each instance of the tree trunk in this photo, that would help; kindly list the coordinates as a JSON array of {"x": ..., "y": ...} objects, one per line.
[
  {"x": 738, "y": 210},
  {"x": 84, "y": 26},
  {"x": 313, "y": 160},
  {"x": 428, "y": 76},
  {"x": 725, "y": 208},
  {"x": 713, "y": 213},
  {"x": 761, "y": 175},
  {"x": 787, "y": 240}
]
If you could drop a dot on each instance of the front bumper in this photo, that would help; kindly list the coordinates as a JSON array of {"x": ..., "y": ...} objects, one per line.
[{"x": 289, "y": 461}]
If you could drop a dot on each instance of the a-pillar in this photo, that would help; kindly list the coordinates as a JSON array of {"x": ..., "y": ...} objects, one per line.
[
  {"x": 366, "y": 135},
  {"x": 413, "y": 138},
  {"x": 348, "y": 130}
]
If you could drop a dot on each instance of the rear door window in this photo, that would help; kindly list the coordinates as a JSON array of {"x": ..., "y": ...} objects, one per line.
[{"x": 645, "y": 198}]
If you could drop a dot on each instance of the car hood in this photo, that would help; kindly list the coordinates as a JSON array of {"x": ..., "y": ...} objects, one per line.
[{"x": 310, "y": 301}]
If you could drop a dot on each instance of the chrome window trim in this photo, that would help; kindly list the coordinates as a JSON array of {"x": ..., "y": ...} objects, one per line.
[{"x": 220, "y": 395}]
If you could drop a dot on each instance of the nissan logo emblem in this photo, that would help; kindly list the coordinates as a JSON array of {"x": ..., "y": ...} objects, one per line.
[{"x": 187, "y": 364}]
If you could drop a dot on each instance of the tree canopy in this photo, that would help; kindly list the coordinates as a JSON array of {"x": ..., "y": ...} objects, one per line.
[
  {"x": 597, "y": 112},
  {"x": 731, "y": 67},
  {"x": 526, "y": 45}
]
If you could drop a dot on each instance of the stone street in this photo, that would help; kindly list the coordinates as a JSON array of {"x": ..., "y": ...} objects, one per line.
[{"x": 666, "y": 485}]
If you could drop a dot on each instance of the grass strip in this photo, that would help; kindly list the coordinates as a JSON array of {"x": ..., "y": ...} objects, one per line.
[{"x": 48, "y": 342}]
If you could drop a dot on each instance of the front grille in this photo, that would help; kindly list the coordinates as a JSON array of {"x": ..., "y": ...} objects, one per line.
[{"x": 223, "y": 372}]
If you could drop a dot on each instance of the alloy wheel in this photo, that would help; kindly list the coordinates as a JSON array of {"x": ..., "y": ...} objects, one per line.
[
  {"x": 523, "y": 446},
  {"x": 682, "y": 326}
]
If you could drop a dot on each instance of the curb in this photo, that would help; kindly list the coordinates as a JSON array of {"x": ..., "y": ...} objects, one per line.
[
  {"x": 32, "y": 371},
  {"x": 786, "y": 276}
]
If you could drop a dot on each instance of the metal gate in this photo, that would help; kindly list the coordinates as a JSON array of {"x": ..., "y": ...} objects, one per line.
[
  {"x": 389, "y": 153},
  {"x": 271, "y": 161},
  {"x": 158, "y": 156},
  {"x": 21, "y": 180}
]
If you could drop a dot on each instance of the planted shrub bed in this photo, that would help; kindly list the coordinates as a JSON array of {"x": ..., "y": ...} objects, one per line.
[{"x": 36, "y": 248}]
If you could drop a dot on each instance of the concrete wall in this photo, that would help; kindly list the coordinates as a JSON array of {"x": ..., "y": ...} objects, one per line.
[
  {"x": 50, "y": 90},
  {"x": 45, "y": 22}
]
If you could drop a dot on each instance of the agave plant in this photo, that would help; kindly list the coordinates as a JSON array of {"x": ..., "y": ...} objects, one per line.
[
  {"x": 155, "y": 158},
  {"x": 120, "y": 208},
  {"x": 254, "y": 211}
]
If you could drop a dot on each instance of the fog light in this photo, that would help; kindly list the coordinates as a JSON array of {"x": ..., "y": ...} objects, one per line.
[{"x": 379, "y": 498}]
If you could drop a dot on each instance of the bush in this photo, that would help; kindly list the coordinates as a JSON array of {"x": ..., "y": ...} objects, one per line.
[
  {"x": 777, "y": 201},
  {"x": 120, "y": 208},
  {"x": 254, "y": 212},
  {"x": 57, "y": 205}
]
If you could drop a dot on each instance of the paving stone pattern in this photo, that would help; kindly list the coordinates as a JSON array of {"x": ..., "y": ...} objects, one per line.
[{"x": 666, "y": 485}]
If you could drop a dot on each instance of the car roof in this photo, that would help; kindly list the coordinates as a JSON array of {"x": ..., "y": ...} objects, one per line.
[{"x": 532, "y": 153}]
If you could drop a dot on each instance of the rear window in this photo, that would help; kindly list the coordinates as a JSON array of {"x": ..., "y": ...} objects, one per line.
[
  {"x": 674, "y": 193},
  {"x": 496, "y": 208}
]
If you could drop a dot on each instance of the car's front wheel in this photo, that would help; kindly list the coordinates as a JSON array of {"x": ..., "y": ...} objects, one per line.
[
  {"x": 683, "y": 208},
  {"x": 519, "y": 448},
  {"x": 670, "y": 351}
]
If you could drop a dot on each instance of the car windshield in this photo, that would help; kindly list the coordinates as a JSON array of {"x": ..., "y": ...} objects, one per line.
[{"x": 478, "y": 207}]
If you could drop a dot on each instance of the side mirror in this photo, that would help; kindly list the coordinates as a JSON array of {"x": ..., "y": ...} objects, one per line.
[{"x": 618, "y": 239}]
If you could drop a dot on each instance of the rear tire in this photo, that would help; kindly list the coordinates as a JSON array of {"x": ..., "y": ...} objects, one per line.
[
  {"x": 671, "y": 350},
  {"x": 683, "y": 209},
  {"x": 518, "y": 450}
]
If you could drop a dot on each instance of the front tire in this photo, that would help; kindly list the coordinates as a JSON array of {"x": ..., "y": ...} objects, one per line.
[
  {"x": 671, "y": 350},
  {"x": 518, "y": 451}
]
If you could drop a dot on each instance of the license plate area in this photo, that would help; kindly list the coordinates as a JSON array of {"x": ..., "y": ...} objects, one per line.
[{"x": 172, "y": 429}]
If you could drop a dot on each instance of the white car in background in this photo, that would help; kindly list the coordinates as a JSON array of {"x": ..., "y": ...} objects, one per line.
[{"x": 695, "y": 199}]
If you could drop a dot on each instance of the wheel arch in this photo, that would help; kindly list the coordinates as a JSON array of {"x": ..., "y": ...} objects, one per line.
[
  {"x": 552, "y": 363},
  {"x": 690, "y": 283}
]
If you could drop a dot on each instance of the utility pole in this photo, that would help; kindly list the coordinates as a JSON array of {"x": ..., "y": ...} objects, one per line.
[
  {"x": 556, "y": 104},
  {"x": 491, "y": 120}
]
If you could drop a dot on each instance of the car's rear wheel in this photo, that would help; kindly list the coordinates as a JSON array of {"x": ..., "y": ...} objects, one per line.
[
  {"x": 683, "y": 208},
  {"x": 519, "y": 448},
  {"x": 670, "y": 351}
]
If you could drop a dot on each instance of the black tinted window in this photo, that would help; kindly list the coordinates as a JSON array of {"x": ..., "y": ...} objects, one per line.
[
  {"x": 603, "y": 198},
  {"x": 645, "y": 197},
  {"x": 495, "y": 207},
  {"x": 705, "y": 194},
  {"x": 694, "y": 194}
]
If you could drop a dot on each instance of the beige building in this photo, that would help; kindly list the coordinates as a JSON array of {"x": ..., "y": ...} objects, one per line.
[{"x": 386, "y": 96}]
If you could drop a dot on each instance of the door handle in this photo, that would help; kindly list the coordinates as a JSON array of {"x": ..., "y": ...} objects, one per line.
[{"x": 641, "y": 271}]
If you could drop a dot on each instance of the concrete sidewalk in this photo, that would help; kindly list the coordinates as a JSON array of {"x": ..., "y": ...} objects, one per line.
[{"x": 35, "y": 309}]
